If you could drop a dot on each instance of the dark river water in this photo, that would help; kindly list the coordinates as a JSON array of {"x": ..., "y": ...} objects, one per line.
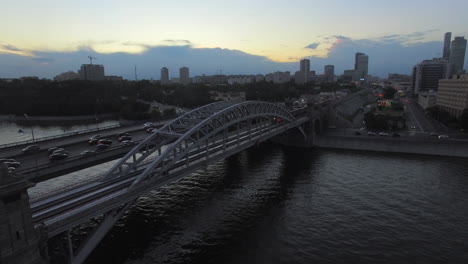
[{"x": 273, "y": 204}]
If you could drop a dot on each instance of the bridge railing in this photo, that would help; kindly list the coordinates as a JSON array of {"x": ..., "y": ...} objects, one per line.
[{"x": 26, "y": 142}]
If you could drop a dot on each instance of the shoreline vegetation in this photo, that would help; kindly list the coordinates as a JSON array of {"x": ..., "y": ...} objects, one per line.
[{"x": 41, "y": 100}]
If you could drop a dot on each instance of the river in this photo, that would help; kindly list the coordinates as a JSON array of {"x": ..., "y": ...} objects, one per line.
[{"x": 274, "y": 204}]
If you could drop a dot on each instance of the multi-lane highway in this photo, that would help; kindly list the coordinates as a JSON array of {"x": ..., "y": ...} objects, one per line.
[{"x": 32, "y": 164}]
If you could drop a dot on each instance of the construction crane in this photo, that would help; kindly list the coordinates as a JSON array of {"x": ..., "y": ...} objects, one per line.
[{"x": 91, "y": 59}]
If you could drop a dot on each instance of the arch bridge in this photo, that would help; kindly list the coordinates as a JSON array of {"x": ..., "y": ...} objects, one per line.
[{"x": 186, "y": 144}]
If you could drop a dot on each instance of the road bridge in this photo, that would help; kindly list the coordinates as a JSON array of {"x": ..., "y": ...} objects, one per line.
[{"x": 184, "y": 145}]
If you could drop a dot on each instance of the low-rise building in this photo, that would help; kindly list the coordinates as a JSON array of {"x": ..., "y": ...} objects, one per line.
[
  {"x": 66, "y": 76},
  {"x": 453, "y": 94},
  {"x": 229, "y": 96},
  {"x": 427, "y": 99}
]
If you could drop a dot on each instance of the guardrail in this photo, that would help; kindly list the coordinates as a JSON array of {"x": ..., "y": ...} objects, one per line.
[
  {"x": 109, "y": 151},
  {"x": 80, "y": 132}
]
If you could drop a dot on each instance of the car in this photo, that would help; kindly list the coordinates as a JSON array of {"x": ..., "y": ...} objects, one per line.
[
  {"x": 123, "y": 138},
  {"x": 128, "y": 142},
  {"x": 87, "y": 153},
  {"x": 434, "y": 135},
  {"x": 105, "y": 141},
  {"x": 147, "y": 124},
  {"x": 124, "y": 134},
  {"x": 396, "y": 135},
  {"x": 357, "y": 133},
  {"x": 383, "y": 134},
  {"x": 31, "y": 149},
  {"x": 58, "y": 156},
  {"x": 11, "y": 169},
  {"x": 93, "y": 141},
  {"x": 443, "y": 137},
  {"x": 95, "y": 137},
  {"x": 101, "y": 146},
  {"x": 60, "y": 151},
  {"x": 371, "y": 134},
  {"x": 52, "y": 149},
  {"x": 150, "y": 129},
  {"x": 7, "y": 160},
  {"x": 14, "y": 164},
  {"x": 413, "y": 127}
]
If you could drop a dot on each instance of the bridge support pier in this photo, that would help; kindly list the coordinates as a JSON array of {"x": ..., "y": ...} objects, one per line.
[{"x": 19, "y": 241}]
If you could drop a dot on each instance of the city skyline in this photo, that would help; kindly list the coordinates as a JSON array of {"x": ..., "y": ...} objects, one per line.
[{"x": 269, "y": 38}]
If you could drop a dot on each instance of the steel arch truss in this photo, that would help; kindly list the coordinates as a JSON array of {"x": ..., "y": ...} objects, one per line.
[
  {"x": 184, "y": 145},
  {"x": 194, "y": 133}
]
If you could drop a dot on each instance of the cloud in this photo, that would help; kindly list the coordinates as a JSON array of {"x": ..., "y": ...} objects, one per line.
[
  {"x": 10, "y": 49},
  {"x": 43, "y": 60},
  {"x": 312, "y": 46},
  {"x": 178, "y": 41},
  {"x": 387, "y": 54}
]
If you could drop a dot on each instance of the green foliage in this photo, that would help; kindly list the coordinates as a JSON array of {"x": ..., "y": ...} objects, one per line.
[
  {"x": 464, "y": 119},
  {"x": 389, "y": 93},
  {"x": 169, "y": 113}
]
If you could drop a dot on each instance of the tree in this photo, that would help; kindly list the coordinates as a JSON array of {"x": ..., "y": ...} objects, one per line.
[
  {"x": 389, "y": 93},
  {"x": 464, "y": 119}
]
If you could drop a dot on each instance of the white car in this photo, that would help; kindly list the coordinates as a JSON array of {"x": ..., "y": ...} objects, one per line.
[
  {"x": 148, "y": 124},
  {"x": 443, "y": 137},
  {"x": 383, "y": 134}
]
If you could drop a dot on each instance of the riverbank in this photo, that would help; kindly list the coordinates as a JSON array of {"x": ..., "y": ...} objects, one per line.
[{"x": 451, "y": 148}]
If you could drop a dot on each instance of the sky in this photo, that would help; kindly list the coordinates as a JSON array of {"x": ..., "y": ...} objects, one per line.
[{"x": 47, "y": 37}]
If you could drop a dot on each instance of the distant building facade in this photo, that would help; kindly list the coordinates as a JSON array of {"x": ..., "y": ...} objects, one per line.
[
  {"x": 229, "y": 96},
  {"x": 299, "y": 77},
  {"x": 164, "y": 75},
  {"x": 184, "y": 75},
  {"x": 453, "y": 94},
  {"x": 281, "y": 77},
  {"x": 427, "y": 99},
  {"x": 361, "y": 66},
  {"x": 211, "y": 79},
  {"x": 305, "y": 69},
  {"x": 91, "y": 72},
  {"x": 66, "y": 76},
  {"x": 447, "y": 40},
  {"x": 457, "y": 55},
  {"x": 426, "y": 75},
  {"x": 329, "y": 72}
]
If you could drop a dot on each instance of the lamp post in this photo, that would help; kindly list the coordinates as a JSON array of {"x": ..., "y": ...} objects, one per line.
[{"x": 32, "y": 130}]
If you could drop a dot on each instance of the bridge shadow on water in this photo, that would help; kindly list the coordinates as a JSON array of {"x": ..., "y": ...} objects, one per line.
[{"x": 204, "y": 217}]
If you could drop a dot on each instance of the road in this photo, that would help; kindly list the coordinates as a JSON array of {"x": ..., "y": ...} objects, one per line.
[
  {"x": 74, "y": 146},
  {"x": 415, "y": 116}
]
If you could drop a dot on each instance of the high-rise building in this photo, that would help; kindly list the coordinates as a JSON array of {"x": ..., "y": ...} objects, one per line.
[
  {"x": 457, "y": 55},
  {"x": 305, "y": 69},
  {"x": 184, "y": 75},
  {"x": 426, "y": 74},
  {"x": 91, "y": 72},
  {"x": 329, "y": 71},
  {"x": 361, "y": 65},
  {"x": 447, "y": 39},
  {"x": 356, "y": 56},
  {"x": 453, "y": 94},
  {"x": 164, "y": 75}
]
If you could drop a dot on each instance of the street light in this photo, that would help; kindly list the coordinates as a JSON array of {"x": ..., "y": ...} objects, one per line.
[{"x": 32, "y": 131}]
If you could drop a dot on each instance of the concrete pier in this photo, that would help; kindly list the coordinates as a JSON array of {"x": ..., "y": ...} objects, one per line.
[{"x": 19, "y": 241}]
